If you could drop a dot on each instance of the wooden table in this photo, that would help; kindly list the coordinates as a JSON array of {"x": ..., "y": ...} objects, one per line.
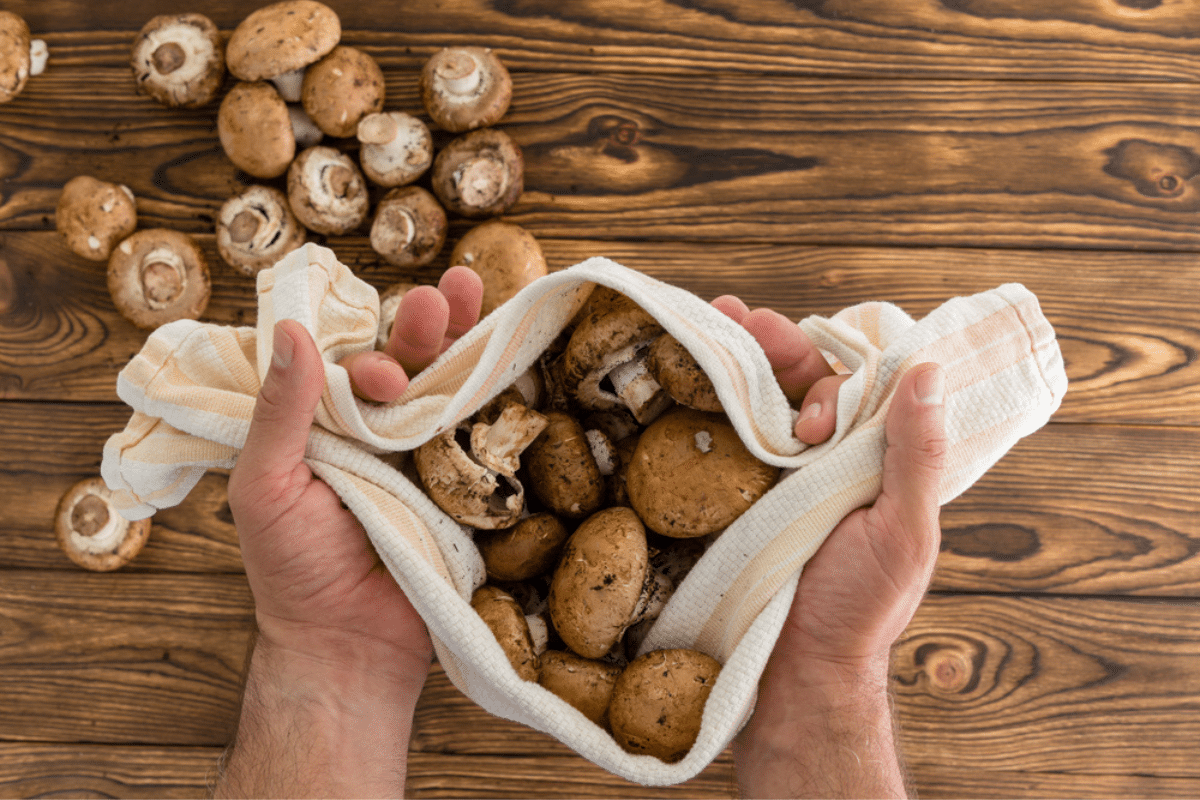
[{"x": 806, "y": 155}]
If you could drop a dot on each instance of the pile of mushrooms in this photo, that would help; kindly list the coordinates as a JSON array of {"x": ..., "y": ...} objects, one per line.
[{"x": 594, "y": 484}]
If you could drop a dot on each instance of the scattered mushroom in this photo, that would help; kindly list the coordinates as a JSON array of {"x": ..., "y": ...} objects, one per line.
[
  {"x": 20, "y": 56},
  {"x": 479, "y": 174},
  {"x": 504, "y": 255},
  {"x": 409, "y": 228},
  {"x": 341, "y": 89},
  {"x": 529, "y": 548},
  {"x": 178, "y": 59},
  {"x": 327, "y": 192},
  {"x": 91, "y": 531},
  {"x": 658, "y": 702},
  {"x": 282, "y": 37},
  {"x": 397, "y": 148},
  {"x": 585, "y": 683},
  {"x": 255, "y": 129},
  {"x": 562, "y": 471},
  {"x": 93, "y": 215},
  {"x": 157, "y": 276},
  {"x": 506, "y": 619},
  {"x": 680, "y": 375},
  {"x": 464, "y": 88},
  {"x": 257, "y": 228}
]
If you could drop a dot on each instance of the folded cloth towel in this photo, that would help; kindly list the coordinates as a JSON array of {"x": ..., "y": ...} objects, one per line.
[{"x": 193, "y": 387}]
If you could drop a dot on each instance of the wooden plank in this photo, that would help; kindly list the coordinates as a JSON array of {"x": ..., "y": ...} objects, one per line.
[
  {"x": 713, "y": 157},
  {"x": 949, "y": 782},
  {"x": 1126, "y": 40},
  {"x": 82, "y": 770}
]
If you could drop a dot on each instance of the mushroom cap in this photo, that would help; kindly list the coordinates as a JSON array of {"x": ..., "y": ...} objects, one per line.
[
  {"x": 529, "y": 548},
  {"x": 600, "y": 581},
  {"x": 504, "y": 616},
  {"x": 504, "y": 255},
  {"x": 563, "y": 473},
  {"x": 585, "y": 683},
  {"x": 464, "y": 88},
  {"x": 409, "y": 228},
  {"x": 156, "y": 276},
  {"x": 658, "y": 702},
  {"x": 93, "y": 215},
  {"x": 691, "y": 475},
  {"x": 608, "y": 335},
  {"x": 678, "y": 372},
  {"x": 341, "y": 89},
  {"x": 257, "y": 228},
  {"x": 255, "y": 129},
  {"x": 280, "y": 38},
  {"x": 178, "y": 59},
  {"x": 465, "y": 489},
  {"x": 389, "y": 304},
  {"x": 14, "y": 55},
  {"x": 397, "y": 148},
  {"x": 327, "y": 192},
  {"x": 479, "y": 174},
  {"x": 91, "y": 531}
]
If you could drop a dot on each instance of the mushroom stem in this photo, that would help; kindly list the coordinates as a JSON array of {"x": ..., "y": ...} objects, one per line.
[
  {"x": 304, "y": 130},
  {"x": 481, "y": 181},
  {"x": 39, "y": 54},
  {"x": 288, "y": 84},
  {"x": 94, "y": 529},
  {"x": 636, "y": 387},
  {"x": 459, "y": 73},
  {"x": 164, "y": 277},
  {"x": 377, "y": 129},
  {"x": 498, "y": 446}
]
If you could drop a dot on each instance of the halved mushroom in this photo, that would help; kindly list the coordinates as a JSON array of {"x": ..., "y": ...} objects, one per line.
[
  {"x": 255, "y": 129},
  {"x": 257, "y": 228},
  {"x": 479, "y": 174},
  {"x": 397, "y": 148},
  {"x": 585, "y": 683},
  {"x": 341, "y": 89},
  {"x": 93, "y": 215},
  {"x": 658, "y": 702},
  {"x": 91, "y": 531},
  {"x": 529, "y": 548},
  {"x": 691, "y": 474},
  {"x": 326, "y": 191},
  {"x": 680, "y": 375},
  {"x": 562, "y": 469},
  {"x": 282, "y": 37},
  {"x": 507, "y": 622},
  {"x": 464, "y": 88},
  {"x": 157, "y": 276},
  {"x": 178, "y": 59},
  {"x": 504, "y": 255},
  {"x": 409, "y": 228}
]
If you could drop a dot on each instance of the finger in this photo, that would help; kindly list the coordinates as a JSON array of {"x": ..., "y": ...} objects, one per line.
[
  {"x": 463, "y": 289},
  {"x": 916, "y": 449},
  {"x": 732, "y": 307},
  {"x": 797, "y": 362},
  {"x": 375, "y": 376},
  {"x": 421, "y": 322},
  {"x": 818, "y": 414}
]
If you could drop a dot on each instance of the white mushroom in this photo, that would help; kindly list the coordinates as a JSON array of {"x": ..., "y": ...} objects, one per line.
[
  {"x": 257, "y": 228},
  {"x": 178, "y": 59},
  {"x": 327, "y": 192},
  {"x": 91, "y": 531},
  {"x": 397, "y": 148},
  {"x": 464, "y": 88}
]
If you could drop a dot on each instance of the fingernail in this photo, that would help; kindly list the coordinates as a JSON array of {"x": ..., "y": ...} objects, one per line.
[
  {"x": 811, "y": 411},
  {"x": 931, "y": 387},
  {"x": 283, "y": 347}
]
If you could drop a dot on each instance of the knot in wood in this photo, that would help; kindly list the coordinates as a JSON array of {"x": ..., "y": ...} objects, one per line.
[{"x": 949, "y": 672}]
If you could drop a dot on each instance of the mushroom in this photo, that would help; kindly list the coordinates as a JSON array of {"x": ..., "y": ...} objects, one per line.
[
  {"x": 341, "y": 89},
  {"x": 257, "y": 228},
  {"x": 479, "y": 174},
  {"x": 178, "y": 59},
  {"x": 255, "y": 129},
  {"x": 326, "y": 191},
  {"x": 464, "y": 88},
  {"x": 507, "y": 622},
  {"x": 93, "y": 215},
  {"x": 691, "y": 475},
  {"x": 585, "y": 683},
  {"x": 304, "y": 130},
  {"x": 389, "y": 304},
  {"x": 604, "y": 363},
  {"x": 156, "y": 276},
  {"x": 91, "y": 531},
  {"x": 529, "y": 548},
  {"x": 397, "y": 148},
  {"x": 562, "y": 470},
  {"x": 409, "y": 228},
  {"x": 20, "y": 56},
  {"x": 504, "y": 255},
  {"x": 281, "y": 38},
  {"x": 658, "y": 702},
  {"x": 604, "y": 583},
  {"x": 680, "y": 375}
]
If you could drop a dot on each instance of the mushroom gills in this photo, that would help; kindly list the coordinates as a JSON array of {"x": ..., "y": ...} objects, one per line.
[
  {"x": 482, "y": 180},
  {"x": 164, "y": 277},
  {"x": 94, "y": 529},
  {"x": 624, "y": 380}
]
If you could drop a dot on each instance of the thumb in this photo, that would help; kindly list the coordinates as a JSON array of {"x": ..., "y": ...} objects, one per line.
[{"x": 916, "y": 448}]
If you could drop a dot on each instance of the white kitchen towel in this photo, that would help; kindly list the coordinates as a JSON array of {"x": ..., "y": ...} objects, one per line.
[{"x": 193, "y": 387}]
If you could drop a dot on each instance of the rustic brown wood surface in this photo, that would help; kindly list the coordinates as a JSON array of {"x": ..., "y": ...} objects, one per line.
[{"x": 805, "y": 155}]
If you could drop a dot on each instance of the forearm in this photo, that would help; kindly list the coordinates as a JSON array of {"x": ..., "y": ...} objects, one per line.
[
  {"x": 831, "y": 735},
  {"x": 324, "y": 727}
]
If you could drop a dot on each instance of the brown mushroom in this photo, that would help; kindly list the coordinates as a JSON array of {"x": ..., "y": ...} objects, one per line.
[
  {"x": 529, "y": 548},
  {"x": 257, "y": 228},
  {"x": 409, "y": 228},
  {"x": 327, "y": 192},
  {"x": 15, "y": 62},
  {"x": 91, "y": 531},
  {"x": 255, "y": 130},
  {"x": 397, "y": 148},
  {"x": 178, "y": 59},
  {"x": 507, "y": 622},
  {"x": 157, "y": 276},
  {"x": 680, "y": 375},
  {"x": 658, "y": 702},
  {"x": 562, "y": 471},
  {"x": 464, "y": 88},
  {"x": 341, "y": 89},
  {"x": 504, "y": 255},
  {"x": 691, "y": 475},
  {"x": 479, "y": 174},
  {"x": 585, "y": 683},
  {"x": 93, "y": 215},
  {"x": 282, "y": 37}
]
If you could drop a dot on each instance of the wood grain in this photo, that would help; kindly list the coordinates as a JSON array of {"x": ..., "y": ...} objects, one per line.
[{"x": 129, "y": 771}]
